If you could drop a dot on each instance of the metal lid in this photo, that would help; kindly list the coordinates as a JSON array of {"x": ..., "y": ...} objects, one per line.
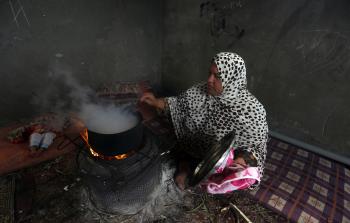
[{"x": 211, "y": 158}]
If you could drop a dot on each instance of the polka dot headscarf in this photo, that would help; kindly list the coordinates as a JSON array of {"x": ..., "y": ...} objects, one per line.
[
  {"x": 232, "y": 74},
  {"x": 200, "y": 119}
]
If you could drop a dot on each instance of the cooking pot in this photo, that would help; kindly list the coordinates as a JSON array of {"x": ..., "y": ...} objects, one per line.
[{"x": 117, "y": 143}]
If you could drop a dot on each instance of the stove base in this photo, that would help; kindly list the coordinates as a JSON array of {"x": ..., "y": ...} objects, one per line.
[{"x": 122, "y": 186}]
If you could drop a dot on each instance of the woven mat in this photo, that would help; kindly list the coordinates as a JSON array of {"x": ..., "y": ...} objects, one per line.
[
  {"x": 7, "y": 192},
  {"x": 303, "y": 186}
]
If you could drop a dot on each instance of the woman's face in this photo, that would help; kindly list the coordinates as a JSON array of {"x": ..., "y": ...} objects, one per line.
[{"x": 214, "y": 85}]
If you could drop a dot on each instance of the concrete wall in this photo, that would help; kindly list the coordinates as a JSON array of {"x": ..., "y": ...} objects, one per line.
[
  {"x": 296, "y": 51},
  {"x": 95, "y": 41}
]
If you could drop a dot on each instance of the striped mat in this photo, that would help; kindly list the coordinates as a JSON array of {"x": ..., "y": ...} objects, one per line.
[{"x": 303, "y": 186}]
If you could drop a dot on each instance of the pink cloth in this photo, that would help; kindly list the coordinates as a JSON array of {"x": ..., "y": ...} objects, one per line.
[{"x": 228, "y": 176}]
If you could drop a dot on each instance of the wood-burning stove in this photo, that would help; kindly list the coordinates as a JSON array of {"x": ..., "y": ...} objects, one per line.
[{"x": 121, "y": 181}]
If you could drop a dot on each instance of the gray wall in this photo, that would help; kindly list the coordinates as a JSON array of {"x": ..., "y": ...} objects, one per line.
[
  {"x": 96, "y": 41},
  {"x": 296, "y": 51}
]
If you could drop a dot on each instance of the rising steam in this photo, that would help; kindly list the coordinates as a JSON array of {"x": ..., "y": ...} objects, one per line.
[
  {"x": 64, "y": 94},
  {"x": 108, "y": 119}
]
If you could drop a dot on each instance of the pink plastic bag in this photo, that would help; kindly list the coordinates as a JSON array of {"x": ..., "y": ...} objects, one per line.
[{"x": 228, "y": 176}]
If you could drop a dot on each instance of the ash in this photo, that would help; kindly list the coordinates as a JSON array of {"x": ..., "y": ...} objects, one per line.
[{"x": 165, "y": 204}]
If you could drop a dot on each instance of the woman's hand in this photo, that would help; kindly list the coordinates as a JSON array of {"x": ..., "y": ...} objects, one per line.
[
  {"x": 241, "y": 161},
  {"x": 245, "y": 158},
  {"x": 151, "y": 100}
]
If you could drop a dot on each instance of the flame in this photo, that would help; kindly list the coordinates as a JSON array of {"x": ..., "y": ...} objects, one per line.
[{"x": 85, "y": 136}]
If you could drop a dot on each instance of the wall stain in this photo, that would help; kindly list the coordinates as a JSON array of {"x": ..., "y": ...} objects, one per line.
[{"x": 218, "y": 11}]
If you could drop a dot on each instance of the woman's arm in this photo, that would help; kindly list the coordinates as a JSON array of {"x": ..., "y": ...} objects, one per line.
[{"x": 150, "y": 99}]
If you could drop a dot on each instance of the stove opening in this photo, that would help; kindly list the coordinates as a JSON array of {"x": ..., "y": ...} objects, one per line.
[{"x": 85, "y": 136}]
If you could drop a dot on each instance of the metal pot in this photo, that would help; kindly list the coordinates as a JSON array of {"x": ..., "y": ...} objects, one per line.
[{"x": 118, "y": 143}]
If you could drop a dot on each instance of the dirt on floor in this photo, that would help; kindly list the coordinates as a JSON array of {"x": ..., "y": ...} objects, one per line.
[{"x": 54, "y": 192}]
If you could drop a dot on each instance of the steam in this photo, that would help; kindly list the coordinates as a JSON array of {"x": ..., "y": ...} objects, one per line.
[
  {"x": 64, "y": 94},
  {"x": 107, "y": 119}
]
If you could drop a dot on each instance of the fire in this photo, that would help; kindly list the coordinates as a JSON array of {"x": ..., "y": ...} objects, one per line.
[{"x": 85, "y": 136}]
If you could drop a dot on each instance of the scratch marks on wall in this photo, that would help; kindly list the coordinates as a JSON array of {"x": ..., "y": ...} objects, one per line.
[
  {"x": 323, "y": 51},
  {"x": 292, "y": 20},
  {"x": 325, "y": 122},
  {"x": 17, "y": 10}
]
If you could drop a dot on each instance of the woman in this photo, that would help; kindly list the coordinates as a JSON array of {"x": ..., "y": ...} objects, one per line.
[{"x": 206, "y": 112}]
